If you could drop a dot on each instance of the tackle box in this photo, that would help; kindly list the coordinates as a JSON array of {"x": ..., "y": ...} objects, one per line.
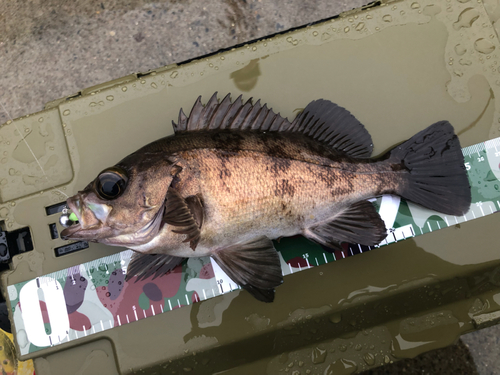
[{"x": 398, "y": 66}]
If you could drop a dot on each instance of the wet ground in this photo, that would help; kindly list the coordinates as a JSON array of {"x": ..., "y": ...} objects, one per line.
[{"x": 53, "y": 48}]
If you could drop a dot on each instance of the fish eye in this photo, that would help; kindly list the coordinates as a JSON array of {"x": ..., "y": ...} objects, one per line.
[{"x": 111, "y": 183}]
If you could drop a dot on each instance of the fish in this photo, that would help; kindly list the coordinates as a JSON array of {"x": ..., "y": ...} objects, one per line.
[{"x": 235, "y": 176}]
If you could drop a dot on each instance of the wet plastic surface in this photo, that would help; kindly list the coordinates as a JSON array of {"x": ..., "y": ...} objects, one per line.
[{"x": 343, "y": 308}]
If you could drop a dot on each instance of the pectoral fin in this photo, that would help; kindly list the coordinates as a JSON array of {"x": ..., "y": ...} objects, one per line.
[
  {"x": 359, "y": 223},
  {"x": 254, "y": 265},
  {"x": 187, "y": 221},
  {"x": 146, "y": 265}
]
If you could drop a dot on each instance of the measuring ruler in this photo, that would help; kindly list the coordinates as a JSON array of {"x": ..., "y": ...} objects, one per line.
[{"x": 76, "y": 302}]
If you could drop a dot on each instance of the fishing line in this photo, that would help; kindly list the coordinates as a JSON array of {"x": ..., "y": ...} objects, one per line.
[{"x": 29, "y": 148}]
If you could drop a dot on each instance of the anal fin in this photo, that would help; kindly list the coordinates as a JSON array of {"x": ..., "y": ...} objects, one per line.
[
  {"x": 254, "y": 265},
  {"x": 146, "y": 265},
  {"x": 359, "y": 223}
]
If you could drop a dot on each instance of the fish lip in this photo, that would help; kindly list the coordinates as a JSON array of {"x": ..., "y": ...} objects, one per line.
[
  {"x": 69, "y": 232},
  {"x": 72, "y": 232}
]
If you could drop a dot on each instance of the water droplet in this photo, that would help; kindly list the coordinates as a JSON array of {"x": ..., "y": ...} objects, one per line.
[
  {"x": 336, "y": 318},
  {"x": 460, "y": 49},
  {"x": 466, "y": 18},
  {"x": 101, "y": 103},
  {"x": 360, "y": 26},
  {"x": 40, "y": 119},
  {"x": 124, "y": 88},
  {"x": 254, "y": 48},
  {"x": 289, "y": 39},
  {"x": 175, "y": 73},
  {"x": 465, "y": 62},
  {"x": 341, "y": 367},
  {"x": 415, "y": 5},
  {"x": 387, "y": 359},
  {"x": 110, "y": 98},
  {"x": 295, "y": 42},
  {"x": 318, "y": 355},
  {"x": 342, "y": 348},
  {"x": 431, "y": 10},
  {"x": 484, "y": 46},
  {"x": 387, "y": 18},
  {"x": 350, "y": 19},
  {"x": 3, "y": 182},
  {"x": 9, "y": 122},
  {"x": 402, "y": 12},
  {"x": 315, "y": 33},
  {"x": 4, "y": 211},
  {"x": 222, "y": 58},
  {"x": 92, "y": 104},
  {"x": 369, "y": 358},
  {"x": 216, "y": 68},
  {"x": 394, "y": 7},
  {"x": 346, "y": 29},
  {"x": 143, "y": 81},
  {"x": 66, "y": 112},
  {"x": 154, "y": 85},
  {"x": 325, "y": 36},
  {"x": 368, "y": 17},
  {"x": 13, "y": 204},
  {"x": 458, "y": 73},
  {"x": 4, "y": 160}
]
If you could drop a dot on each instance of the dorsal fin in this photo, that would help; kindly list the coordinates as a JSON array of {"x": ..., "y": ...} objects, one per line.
[
  {"x": 329, "y": 123},
  {"x": 227, "y": 115},
  {"x": 321, "y": 120}
]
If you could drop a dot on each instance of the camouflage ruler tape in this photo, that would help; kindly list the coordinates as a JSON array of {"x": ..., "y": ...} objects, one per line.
[{"x": 92, "y": 297}]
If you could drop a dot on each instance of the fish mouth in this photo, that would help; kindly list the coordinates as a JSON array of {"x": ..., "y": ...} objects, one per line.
[
  {"x": 81, "y": 230},
  {"x": 90, "y": 227}
]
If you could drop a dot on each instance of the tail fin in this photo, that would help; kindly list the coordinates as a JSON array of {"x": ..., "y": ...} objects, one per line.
[{"x": 437, "y": 178}]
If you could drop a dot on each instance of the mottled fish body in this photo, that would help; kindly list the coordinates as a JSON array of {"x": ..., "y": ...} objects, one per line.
[{"x": 236, "y": 176}]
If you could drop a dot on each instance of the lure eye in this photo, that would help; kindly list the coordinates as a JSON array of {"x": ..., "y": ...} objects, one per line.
[{"x": 111, "y": 183}]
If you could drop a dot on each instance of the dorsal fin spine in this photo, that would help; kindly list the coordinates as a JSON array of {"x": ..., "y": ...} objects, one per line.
[
  {"x": 210, "y": 109},
  {"x": 228, "y": 118},
  {"x": 254, "y": 111},
  {"x": 219, "y": 117},
  {"x": 237, "y": 115},
  {"x": 195, "y": 115},
  {"x": 260, "y": 117}
]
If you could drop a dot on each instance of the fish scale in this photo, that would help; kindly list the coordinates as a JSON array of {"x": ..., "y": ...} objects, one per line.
[{"x": 201, "y": 279}]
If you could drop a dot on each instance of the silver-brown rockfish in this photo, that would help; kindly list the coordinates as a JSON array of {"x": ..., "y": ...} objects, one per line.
[{"x": 236, "y": 175}]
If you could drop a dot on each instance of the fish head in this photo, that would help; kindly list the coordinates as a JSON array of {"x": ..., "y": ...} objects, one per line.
[{"x": 123, "y": 205}]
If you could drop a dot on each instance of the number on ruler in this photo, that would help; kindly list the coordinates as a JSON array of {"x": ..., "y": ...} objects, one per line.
[
  {"x": 32, "y": 314},
  {"x": 467, "y": 166},
  {"x": 480, "y": 159}
]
